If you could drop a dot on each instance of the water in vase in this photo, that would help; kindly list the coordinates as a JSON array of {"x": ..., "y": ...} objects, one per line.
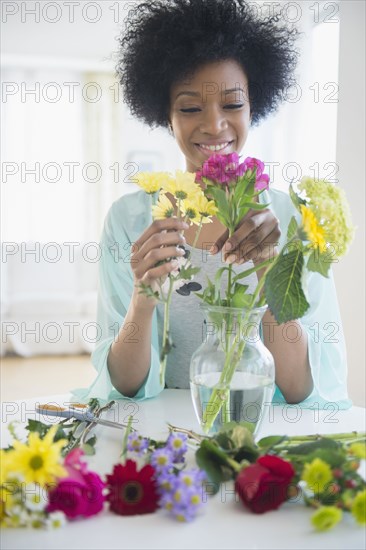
[{"x": 249, "y": 396}]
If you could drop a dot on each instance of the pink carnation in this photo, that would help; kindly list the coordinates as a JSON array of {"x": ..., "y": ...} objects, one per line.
[
  {"x": 78, "y": 494},
  {"x": 220, "y": 168},
  {"x": 261, "y": 180},
  {"x": 223, "y": 169}
]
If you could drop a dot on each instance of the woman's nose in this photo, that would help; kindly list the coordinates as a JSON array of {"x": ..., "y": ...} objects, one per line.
[{"x": 213, "y": 122}]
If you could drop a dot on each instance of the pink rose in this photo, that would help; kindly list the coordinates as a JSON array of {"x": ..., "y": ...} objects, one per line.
[{"x": 78, "y": 494}]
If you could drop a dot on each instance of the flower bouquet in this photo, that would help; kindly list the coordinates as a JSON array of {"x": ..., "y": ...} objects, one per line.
[{"x": 318, "y": 235}]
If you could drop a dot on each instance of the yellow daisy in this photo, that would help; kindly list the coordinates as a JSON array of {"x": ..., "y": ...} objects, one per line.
[
  {"x": 183, "y": 186},
  {"x": 163, "y": 209},
  {"x": 151, "y": 182},
  {"x": 190, "y": 211},
  {"x": 317, "y": 475},
  {"x": 314, "y": 232},
  {"x": 38, "y": 460},
  {"x": 199, "y": 208}
]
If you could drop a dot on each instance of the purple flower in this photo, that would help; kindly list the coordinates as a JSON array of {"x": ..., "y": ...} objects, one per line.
[
  {"x": 136, "y": 443},
  {"x": 162, "y": 460},
  {"x": 177, "y": 443},
  {"x": 182, "y": 494},
  {"x": 165, "y": 481}
]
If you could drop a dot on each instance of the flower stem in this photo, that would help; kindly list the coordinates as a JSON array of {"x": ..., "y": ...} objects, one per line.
[
  {"x": 125, "y": 438},
  {"x": 165, "y": 343}
]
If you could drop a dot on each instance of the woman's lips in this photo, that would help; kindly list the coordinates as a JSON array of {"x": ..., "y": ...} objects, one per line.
[{"x": 220, "y": 148}]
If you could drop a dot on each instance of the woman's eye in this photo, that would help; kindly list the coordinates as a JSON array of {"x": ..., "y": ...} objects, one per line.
[
  {"x": 190, "y": 110},
  {"x": 234, "y": 106}
]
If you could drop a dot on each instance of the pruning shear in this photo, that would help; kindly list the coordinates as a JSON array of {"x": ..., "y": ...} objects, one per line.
[{"x": 79, "y": 412}]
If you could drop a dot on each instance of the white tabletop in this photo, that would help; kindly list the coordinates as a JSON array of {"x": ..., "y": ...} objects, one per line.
[{"x": 224, "y": 522}]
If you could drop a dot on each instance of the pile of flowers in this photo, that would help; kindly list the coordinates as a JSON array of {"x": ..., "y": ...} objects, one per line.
[{"x": 42, "y": 489}]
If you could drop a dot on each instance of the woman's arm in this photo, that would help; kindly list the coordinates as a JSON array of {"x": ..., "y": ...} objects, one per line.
[
  {"x": 288, "y": 344},
  {"x": 129, "y": 358}
]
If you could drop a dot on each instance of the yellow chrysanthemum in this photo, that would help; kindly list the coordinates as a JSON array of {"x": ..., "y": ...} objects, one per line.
[
  {"x": 38, "y": 460},
  {"x": 317, "y": 475},
  {"x": 5, "y": 463},
  {"x": 359, "y": 507},
  {"x": 330, "y": 206},
  {"x": 182, "y": 186},
  {"x": 8, "y": 485},
  {"x": 314, "y": 232},
  {"x": 151, "y": 182},
  {"x": 326, "y": 517},
  {"x": 198, "y": 209},
  {"x": 358, "y": 450},
  {"x": 190, "y": 212},
  {"x": 163, "y": 208}
]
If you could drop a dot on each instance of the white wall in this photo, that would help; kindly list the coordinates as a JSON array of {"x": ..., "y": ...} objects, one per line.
[{"x": 350, "y": 273}]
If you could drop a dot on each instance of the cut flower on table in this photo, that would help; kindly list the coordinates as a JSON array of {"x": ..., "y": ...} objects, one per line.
[{"x": 322, "y": 471}]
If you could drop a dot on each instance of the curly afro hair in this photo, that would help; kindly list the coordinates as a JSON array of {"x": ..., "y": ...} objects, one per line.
[{"x": 165, "y": 41}]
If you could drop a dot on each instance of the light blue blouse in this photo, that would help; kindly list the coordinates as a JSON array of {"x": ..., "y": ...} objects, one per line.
[{"x": 127, "y": 218}]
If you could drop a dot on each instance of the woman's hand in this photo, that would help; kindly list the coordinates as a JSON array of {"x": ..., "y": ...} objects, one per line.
[
  {"x": 157, "y": 243},
  {"x": 256, "y": 238}
]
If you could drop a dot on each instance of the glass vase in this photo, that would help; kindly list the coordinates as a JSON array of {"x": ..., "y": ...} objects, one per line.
[{"x": 232, "y": 372}]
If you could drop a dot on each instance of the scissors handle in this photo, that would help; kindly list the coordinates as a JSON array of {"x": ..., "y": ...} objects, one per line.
[{"x": 84, "y": 415}]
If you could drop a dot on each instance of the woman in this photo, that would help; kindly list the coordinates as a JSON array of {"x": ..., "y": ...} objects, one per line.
[{"x": 207, "y": 70}]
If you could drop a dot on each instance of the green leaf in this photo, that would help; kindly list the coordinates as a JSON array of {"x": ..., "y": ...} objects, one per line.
[
  {"x": 271, "y": 441},
  {"x": 92, "y": 440},
  {"x": 292, "y": 228},
  {"x": 88, "y": 449},
  {"x": 214, "y": 461},
  {"x": 188, "y": 273},
  {"x": 297, "y": 201},
  {"x": 255, "y": 205},
  {"x": 319, "y": 263},
  {"x": 218, "y": 276},
  {"x": 240, "y": 298},
  {"x": 329, "y": 450},
  {"x": 148, "y": 291},
  {"x": 311, "y": 446},
  {"x": 220, "y": 199},
  {"x": 282, "y": 287}
]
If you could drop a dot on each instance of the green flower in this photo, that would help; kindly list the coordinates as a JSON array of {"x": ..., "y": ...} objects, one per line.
[
  {"x": 331, "y": 209},
  {"x": 326, "y": 517},
  {"x": 359, "y": 507},
  {"x": 317, "y": 475},
  {"x": 358, "y": 450}
]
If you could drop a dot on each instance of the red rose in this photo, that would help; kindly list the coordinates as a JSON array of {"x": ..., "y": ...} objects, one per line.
[{"x": 263, "y": 486}]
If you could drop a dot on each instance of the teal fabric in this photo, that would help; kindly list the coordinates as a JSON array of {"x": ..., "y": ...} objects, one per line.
[{"x": 128, "y": 217}]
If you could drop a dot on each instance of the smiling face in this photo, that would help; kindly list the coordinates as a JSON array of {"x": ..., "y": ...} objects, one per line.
[{"x": 210, "y": 112}]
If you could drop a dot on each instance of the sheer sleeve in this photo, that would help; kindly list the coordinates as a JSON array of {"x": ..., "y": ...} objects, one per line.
[
  {"x": 323, "y": 325},
  {"x": 125, "y": 222}
]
